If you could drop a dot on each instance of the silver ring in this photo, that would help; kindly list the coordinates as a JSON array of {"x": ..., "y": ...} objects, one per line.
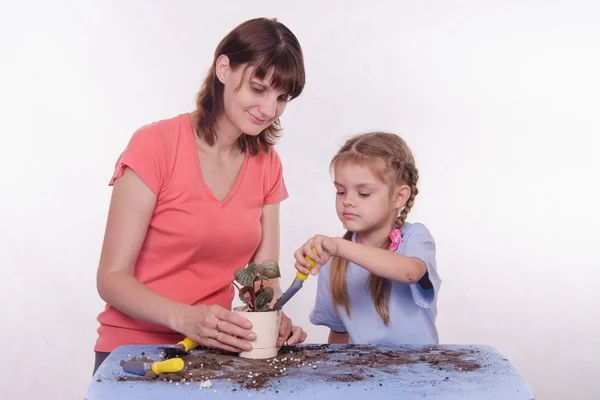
[
  {"x": 217, "y": 334},
  {"x": 218, "y": 322}
]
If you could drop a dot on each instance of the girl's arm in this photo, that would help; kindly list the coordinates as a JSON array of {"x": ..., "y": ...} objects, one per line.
[
  {"x": 338, "y": 338},
  {"x": 131, "y": 207},
  {"x": 384, "y": 263},
  {"x": 268, "y": 249}
]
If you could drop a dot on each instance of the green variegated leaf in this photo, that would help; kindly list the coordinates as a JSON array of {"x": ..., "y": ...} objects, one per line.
[
  {"x": 252, "y": 267},
  {"x": 271, "y": 269},
  {"x": 245, "y": 294},
  {"x": 262, "y": 278},
  {"x": 263, "y": 298},
  {"x": 246, "y": 276}
]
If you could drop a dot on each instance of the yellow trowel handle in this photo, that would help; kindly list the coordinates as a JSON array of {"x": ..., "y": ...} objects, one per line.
[
  {"x": 188, "y": 344},
  {"x": 302, "y": 276},
  {"x": 170, "y": 365}
]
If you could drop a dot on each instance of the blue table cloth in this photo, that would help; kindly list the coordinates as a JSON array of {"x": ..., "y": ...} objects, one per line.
[{"x": 342, "y": 371}]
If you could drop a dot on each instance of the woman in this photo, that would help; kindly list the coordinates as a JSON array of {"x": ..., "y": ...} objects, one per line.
[{"x": 196, "y": 197}]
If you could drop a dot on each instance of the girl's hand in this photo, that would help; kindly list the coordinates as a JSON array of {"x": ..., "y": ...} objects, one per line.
[
  {"x": 214, "y": 326},
  {"x": 325, "y": 248},
  {"x": 289, "y": 333}
]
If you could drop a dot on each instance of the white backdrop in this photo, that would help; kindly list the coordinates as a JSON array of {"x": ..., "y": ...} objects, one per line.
[{"x": 499, "y": 101}]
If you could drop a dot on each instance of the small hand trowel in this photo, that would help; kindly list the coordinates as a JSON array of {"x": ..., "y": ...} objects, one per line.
[
  {"x": 295, "y": 286},
  {"x": 180, "y": 349},
  {"x": 158, "y": 367}
]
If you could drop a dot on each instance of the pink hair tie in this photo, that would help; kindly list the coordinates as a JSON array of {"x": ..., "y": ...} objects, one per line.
[{"x": 396, "y": 238}]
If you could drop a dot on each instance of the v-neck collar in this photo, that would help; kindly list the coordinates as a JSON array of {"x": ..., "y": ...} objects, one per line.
[{"x": 205, "y": 188}]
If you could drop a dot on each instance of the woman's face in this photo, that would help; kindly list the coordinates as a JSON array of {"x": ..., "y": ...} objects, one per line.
[{"x": 250, "y": 105}]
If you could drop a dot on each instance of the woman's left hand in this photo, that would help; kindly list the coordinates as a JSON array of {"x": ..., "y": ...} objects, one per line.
[{"x": 286, "y": 329}]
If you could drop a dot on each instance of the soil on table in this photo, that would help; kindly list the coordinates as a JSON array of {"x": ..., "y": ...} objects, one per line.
[{"x": 349, "y": 363}]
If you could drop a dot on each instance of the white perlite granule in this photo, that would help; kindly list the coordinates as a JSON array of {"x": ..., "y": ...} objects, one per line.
[{"x": 206, "y": 384}]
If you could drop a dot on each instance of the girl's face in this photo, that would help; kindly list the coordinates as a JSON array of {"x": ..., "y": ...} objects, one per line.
[
  {"x": 250, "y": 105},
  {"x": 364, "y": 203}
]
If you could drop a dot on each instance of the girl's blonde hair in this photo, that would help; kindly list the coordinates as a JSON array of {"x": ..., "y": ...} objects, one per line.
[
  {"x": 266, "y": 45},
  {"x": 391, "y": 161}
]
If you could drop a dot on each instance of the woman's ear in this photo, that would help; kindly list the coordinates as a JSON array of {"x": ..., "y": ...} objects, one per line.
[
  {"x": 222, "y": 68},
  {"x": 401, "y": 195}
]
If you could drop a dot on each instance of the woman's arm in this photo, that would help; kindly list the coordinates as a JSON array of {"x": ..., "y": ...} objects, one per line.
[
  {"x": 131, "y": 208},
  {"x": 269, "y": 250}
]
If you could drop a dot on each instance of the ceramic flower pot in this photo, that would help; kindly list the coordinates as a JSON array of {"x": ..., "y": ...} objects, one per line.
[{"x": 266, "y": 326}]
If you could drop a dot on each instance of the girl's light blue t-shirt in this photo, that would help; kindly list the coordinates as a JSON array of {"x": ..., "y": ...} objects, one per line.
[{"x": 412, "y": 309}]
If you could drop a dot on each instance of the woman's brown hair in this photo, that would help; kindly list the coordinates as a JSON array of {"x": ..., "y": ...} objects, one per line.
[
  {"x": 266, "y": 45},
  {"x": 393, "y": 163}
]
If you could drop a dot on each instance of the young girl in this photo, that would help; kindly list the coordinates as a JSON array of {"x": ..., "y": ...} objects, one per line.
[{"x": 378, "y": 284}]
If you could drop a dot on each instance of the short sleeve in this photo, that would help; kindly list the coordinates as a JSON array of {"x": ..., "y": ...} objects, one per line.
[
  {"x": 419, "y": 243},
  {"x": 276, "y": 190},
  {"x": 323, "y": 312},
  {"x": 146, "y": 154}
]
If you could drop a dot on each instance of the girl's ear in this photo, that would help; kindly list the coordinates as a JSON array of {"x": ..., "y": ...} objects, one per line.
[
  {"x": 222, "y": 68},
  {"x": 401, "y": 195}
]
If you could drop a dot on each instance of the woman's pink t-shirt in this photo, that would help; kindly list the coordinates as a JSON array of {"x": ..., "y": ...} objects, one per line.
[{"x": 194, "y": 242}]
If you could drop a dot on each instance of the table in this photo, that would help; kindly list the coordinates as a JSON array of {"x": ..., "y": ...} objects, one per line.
[{"x": 319, "y": 372}]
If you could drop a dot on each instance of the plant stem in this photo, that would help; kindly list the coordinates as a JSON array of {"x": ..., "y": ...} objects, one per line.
[{"x": 252, "y": 297}]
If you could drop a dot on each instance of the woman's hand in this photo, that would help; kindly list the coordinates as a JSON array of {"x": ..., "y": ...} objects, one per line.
[
  {"x": 325, "y": 248},
  {"x": 214, "y": 326},
  {"x": 286, "y": 329}
]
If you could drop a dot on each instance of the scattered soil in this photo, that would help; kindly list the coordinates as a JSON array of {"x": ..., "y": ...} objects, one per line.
[{"x": 347, "y": 364}]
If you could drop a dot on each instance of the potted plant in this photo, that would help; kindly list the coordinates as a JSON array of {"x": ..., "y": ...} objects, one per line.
[{"x": 265, "y": 321}]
